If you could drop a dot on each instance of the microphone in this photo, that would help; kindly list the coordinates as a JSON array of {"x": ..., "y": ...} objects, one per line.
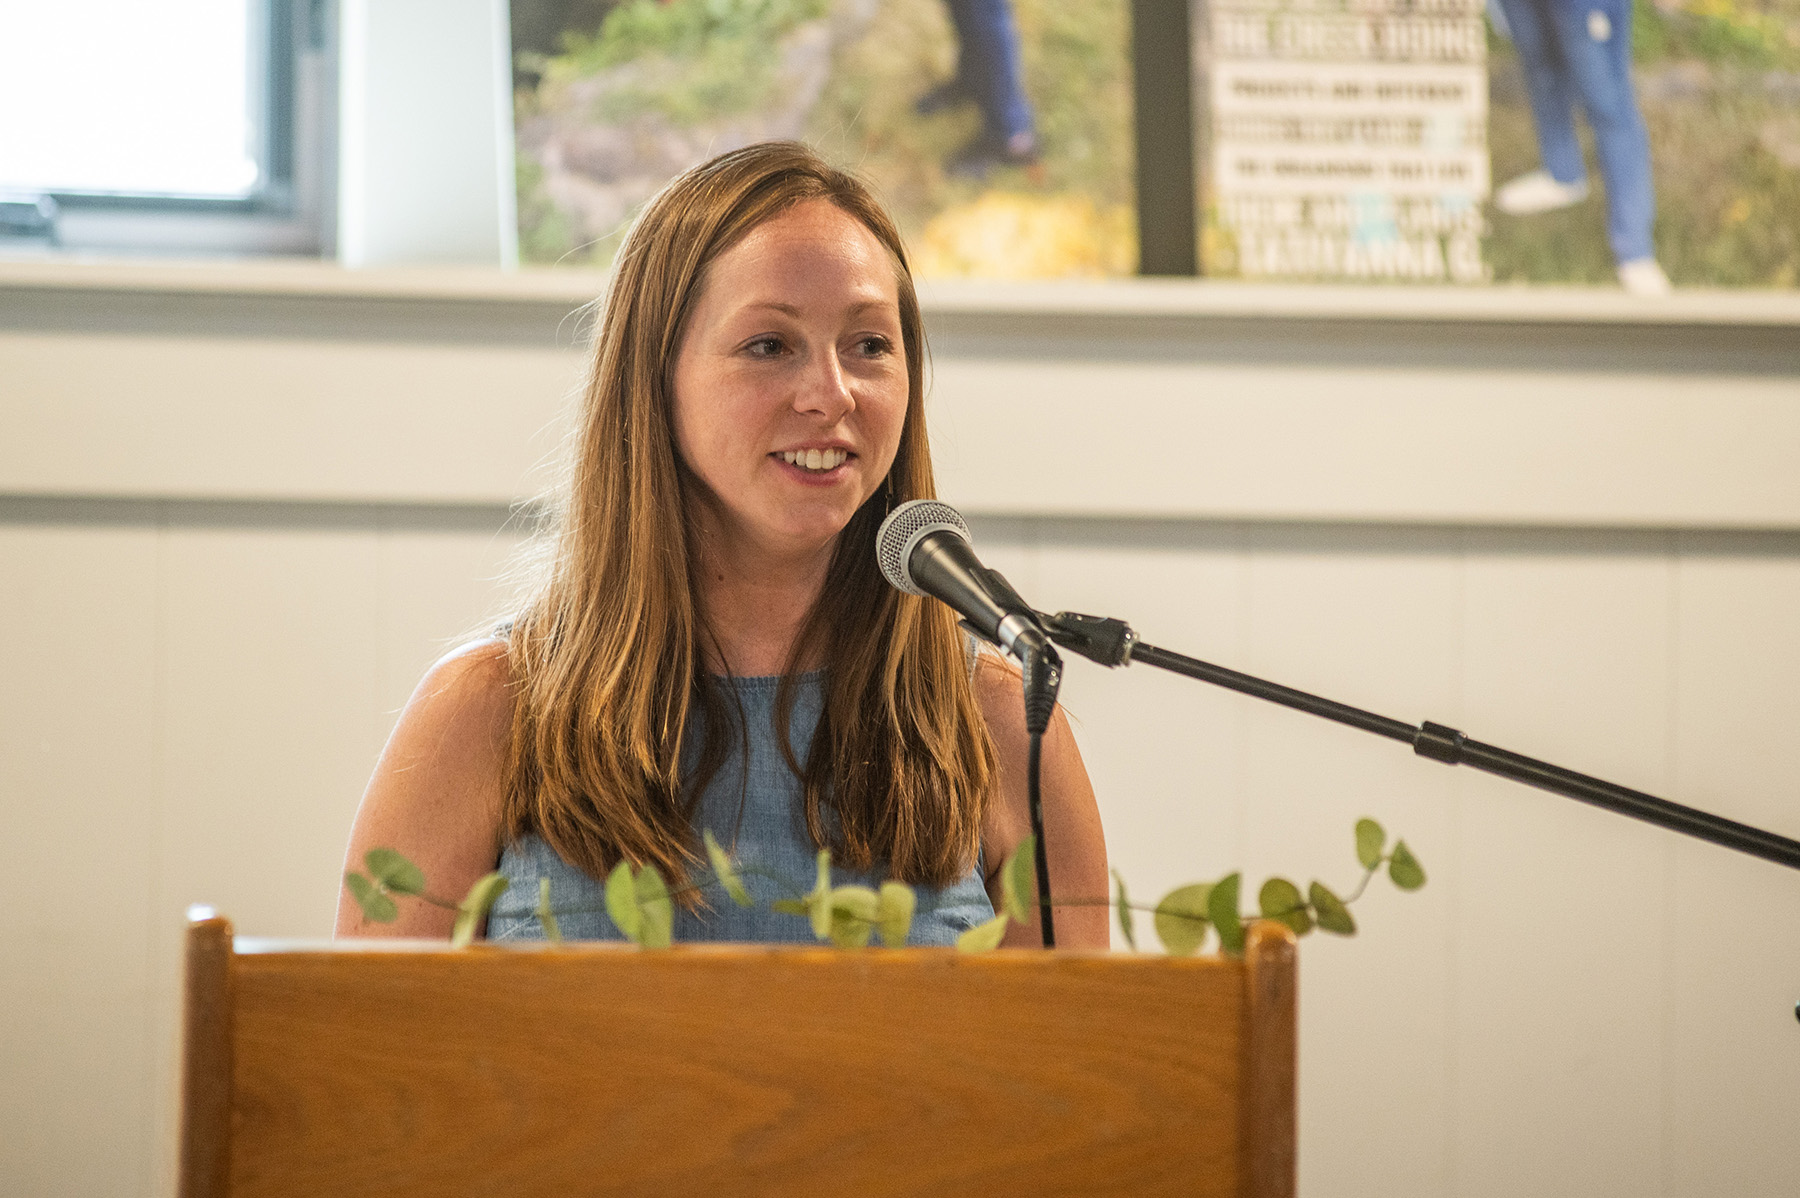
[{"x": 923, "y": 547}]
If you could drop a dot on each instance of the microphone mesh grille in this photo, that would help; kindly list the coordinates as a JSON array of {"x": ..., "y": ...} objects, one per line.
[{"x": 902, "y": 530}]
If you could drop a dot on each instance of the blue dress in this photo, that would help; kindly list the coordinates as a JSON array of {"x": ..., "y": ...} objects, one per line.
[{"x": 754, "y": 807}]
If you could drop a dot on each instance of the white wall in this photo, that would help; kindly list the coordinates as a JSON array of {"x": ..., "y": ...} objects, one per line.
[{"x": 244, "y": 512}]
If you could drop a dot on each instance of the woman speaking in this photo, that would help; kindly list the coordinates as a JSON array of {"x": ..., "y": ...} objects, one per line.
[{"x": 708, "y": 643}]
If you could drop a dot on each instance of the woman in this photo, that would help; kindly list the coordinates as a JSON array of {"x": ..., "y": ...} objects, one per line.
[{"x": 711, "y": 645}]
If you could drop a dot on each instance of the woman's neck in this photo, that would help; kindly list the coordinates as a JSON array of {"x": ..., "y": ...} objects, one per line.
[{"x": 755, "y": 604}]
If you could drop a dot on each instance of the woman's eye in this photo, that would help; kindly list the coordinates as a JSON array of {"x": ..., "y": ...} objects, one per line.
[
  {"x": 765, "y": 347},
  {"x": 875, "y": 346}
]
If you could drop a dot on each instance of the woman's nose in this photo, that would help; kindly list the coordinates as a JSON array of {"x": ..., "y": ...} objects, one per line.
[{"x": 826, "y": 389}]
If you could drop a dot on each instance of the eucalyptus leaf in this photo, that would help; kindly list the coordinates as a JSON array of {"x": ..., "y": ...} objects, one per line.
[
  {"x": 1370, "y": 841},
  {"x": 394, "y": 871},
  {"x": 621, "y": 902},
  {"x": 1181, "y": 919},
  {"x": 1222, "y": 909},
  {"x": 376, "y": 906},
  {"x": 818, "y": 903},
  {"x": 475, "y": 906},
  {"x": 728, "y": 877},
  {"x": 983, "y": 937},
  {"x": 656, "y": 912},
  {"x": 790, "y": 907},
  {"x": 1404, "y": 868},
  {"x": 853, "y": 910},
  {"x": 1279, "y": 900},
  {"x": 894, "y": 914},
  {"x": 1018, "y": 880},
  {"x": 547, "y": 917},
  {"x": 1124, "y": 905},
  {"x": 1334, "y": 916}
]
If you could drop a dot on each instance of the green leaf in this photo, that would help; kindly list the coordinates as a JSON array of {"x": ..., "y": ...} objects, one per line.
[
  {"x": 894, "y": 914},
  {"x": 376, "y": 906},
  {"x": 394, "y": 871},
  {"x": 1279, "y": 900},
  {"x": 791, "y": 907},
  {"x": 983, "y": 937},
  {"x": 1222, "y": 909},
  {"x": 1018, "y": 880},
  {"x": 728, "y": 878},
  {"x": 818, "y": 903},
  {"x": 1124, "y": 904},
  {"x": 1404, "y": 868},
  {"x": 1333, "y": 915},
  {"x": 656, "y": 913},
  {"x": 1181, "y": 919},
  {"x": 547, "y": 917},
  {"x": 1370, "y": 840},
  {"x": 475, "y": 906},
  {"x": 621, "y": 902},
  {"x": 853, "y": 910}
]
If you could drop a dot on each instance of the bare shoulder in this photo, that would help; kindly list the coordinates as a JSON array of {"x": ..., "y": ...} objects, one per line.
[
  {"x": 468, "y": 689},
  {"x": 436, "y": 793},
  {"x": 997, "y": 690}
]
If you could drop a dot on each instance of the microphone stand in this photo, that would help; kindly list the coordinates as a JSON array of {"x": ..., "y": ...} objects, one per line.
[{"x": 1113, "y": 643}]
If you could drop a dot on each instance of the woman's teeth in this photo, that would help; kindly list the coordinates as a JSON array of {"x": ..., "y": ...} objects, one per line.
[{"x": 815, "y": 459}]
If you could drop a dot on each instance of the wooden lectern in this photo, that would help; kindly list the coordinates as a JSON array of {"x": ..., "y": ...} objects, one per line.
[{"x": 403, "y": 1068}]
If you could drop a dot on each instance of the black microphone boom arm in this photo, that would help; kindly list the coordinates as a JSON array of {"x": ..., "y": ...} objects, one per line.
[{"x": 1113, "y": 643}]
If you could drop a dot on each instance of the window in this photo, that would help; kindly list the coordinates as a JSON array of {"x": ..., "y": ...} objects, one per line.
[{"x": 198, "y": 126}]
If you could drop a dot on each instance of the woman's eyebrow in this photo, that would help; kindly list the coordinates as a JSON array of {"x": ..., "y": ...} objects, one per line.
[{"x": 792, "y": 310}]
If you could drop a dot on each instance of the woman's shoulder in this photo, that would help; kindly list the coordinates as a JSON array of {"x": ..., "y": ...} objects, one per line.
[
  {"x": 997, "y": 692},
  {"x": 466, "y": 693}
]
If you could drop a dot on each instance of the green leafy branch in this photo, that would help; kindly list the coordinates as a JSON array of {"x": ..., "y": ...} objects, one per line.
[
  {"x": 641, "y": 905},
  {"x": 1185, "y": 914}
]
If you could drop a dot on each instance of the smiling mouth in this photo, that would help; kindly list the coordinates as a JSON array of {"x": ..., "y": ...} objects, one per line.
[{"x": 818, "y": 461}]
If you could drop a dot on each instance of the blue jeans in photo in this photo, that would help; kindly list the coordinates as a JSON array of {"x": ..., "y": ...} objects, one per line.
[
  {"x": 1579, "y": 51},
  {"x": 987, "y": 65}
]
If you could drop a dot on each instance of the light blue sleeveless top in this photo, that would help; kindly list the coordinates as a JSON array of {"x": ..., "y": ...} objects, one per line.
[{"x": 753, "y": 805}]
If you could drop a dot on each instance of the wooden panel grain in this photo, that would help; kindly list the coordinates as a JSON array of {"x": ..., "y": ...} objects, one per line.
[
  {"x": 1271, "y": 1102},
  {"x": 743, "y": 1071},
  {"x": 207, "y": 1058}
]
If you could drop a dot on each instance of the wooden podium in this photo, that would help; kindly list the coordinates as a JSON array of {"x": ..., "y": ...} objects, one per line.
[{"x": 402, "y": 1068}]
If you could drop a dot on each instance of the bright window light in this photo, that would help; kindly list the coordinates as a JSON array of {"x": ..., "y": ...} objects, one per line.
[{"x": 124, "y": 96}]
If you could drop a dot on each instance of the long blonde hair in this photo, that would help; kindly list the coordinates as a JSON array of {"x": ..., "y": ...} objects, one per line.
[{"x": 606, "y": 658}]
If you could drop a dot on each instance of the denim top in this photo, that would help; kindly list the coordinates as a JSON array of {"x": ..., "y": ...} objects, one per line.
[{"x": 754, "y": 806}]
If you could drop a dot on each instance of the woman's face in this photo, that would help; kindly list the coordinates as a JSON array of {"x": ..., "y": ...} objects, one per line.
[{"x": 790, "y": 380}]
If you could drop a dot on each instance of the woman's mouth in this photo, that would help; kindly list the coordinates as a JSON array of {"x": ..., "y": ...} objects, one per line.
[{"x": 814, "y": 461}]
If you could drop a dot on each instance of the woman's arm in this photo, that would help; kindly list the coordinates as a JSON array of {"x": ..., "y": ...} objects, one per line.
[
  {"x": 1072, "y": 829},
  {"x": 436, "y": 791}
]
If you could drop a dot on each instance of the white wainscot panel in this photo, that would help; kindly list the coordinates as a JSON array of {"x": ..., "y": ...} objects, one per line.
[
  {"x": 1435, "y": 445},
  {"x": 1733, "y": 1083},
  {"x": 1560, "y": 953},
  {"x": 278, "y": 419},
  {"x": 77, "y": 695},
  {"x": 437, "y": 590},
  {"x": 1368, "y": 618}
]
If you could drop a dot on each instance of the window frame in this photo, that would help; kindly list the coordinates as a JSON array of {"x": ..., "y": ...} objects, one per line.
[{"x": 293, "y": 210}]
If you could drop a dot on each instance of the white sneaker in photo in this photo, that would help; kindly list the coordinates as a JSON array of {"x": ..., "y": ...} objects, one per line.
[
  {"x": 1642, "y": 276},
  {"x": 1538, "y": 192}
]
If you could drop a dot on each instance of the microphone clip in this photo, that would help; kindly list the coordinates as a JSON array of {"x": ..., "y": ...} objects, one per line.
[{"x": 1097, "y": 638}]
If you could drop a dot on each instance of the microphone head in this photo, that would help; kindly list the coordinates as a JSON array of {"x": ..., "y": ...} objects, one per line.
[{"x": 904, "y": 528}]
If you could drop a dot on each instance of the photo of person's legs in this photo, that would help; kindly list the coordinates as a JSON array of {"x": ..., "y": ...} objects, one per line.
[
  {"x": 1562, "y": 179},
  {"x": 1579, "y": 51},
  {"x": 987, "y": 74},
  {"x": 1595, "y": 37}
]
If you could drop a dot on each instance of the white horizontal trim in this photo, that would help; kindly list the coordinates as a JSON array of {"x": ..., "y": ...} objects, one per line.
[{"x": 1111, "y": 298}]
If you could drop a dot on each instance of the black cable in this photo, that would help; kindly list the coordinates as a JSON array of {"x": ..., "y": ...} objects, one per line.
[{"x": 1032, "y": 767}]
